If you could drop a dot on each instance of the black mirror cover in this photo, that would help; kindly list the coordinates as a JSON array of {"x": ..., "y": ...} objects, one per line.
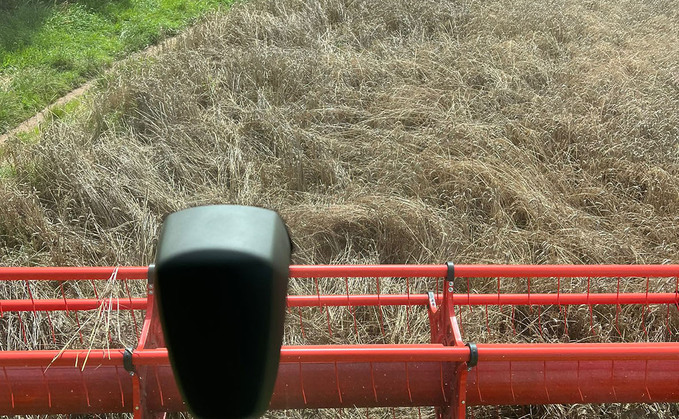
[{"x": 221, "y": 276}]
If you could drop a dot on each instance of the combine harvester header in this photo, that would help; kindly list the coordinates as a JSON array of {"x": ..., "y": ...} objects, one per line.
[{"x": 218, "y": 333}]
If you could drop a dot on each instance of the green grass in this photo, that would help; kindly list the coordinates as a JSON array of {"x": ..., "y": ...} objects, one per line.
[{"x": 48, "y": 47}]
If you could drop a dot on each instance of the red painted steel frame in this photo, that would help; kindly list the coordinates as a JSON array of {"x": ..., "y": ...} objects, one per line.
[
  {"x": 491, "y": 352},
  {"x": 483, "y": 299},
  {"x": 367, "y": 271},
  {"x": 435, "y": 374},
  {"x": 370, "y": 300},
  {"x": 483, "y": 271}
]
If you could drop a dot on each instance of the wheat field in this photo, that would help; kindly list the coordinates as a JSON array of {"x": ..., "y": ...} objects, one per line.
[{"x": 382, "y": 131}]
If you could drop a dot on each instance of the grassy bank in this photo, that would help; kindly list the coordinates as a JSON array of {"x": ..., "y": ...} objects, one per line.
[
  {"x": 49, "y": 47},
  {"x": 385, "y": 131}
]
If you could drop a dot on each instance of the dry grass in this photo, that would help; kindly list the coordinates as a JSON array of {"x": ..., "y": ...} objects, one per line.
[{"x": 383, "y": 132}]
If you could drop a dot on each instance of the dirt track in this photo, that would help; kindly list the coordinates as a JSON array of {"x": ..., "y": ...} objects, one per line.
[{"x": 38, "y": 118}]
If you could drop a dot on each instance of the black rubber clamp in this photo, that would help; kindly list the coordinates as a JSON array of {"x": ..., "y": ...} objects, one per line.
[
  {"x": 450, "y": 274},
  {"x": 127, "y": 361},
  {"x": 473, "y": 355}
]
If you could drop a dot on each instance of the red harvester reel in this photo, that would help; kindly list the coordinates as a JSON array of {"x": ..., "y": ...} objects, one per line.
[{"x": 222, "y": 272}]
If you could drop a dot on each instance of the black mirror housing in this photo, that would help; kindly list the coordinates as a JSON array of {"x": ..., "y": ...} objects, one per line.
[{"x": 220, "y": 278}]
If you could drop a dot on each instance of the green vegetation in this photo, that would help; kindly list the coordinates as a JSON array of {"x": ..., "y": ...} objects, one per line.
[{"x": 48, "y": 47}]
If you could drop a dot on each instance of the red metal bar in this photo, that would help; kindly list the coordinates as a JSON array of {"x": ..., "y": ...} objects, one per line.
[
  {"x": 373, "y": 353},
  {"x": 366, "y": 271},
  {"x": 487, "y": 352},
  {"x": 74, "y": 273},
  {"x": 483, "y": 299},
  {"x": 356, "y": 300},
  {"x": 74, "y": 304},
  {"x": 578, "y": 351},
  {"x": 482, "y": 271},
  {"x": 576, "y": 271},
  {"x": 80, "y": 358}
]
